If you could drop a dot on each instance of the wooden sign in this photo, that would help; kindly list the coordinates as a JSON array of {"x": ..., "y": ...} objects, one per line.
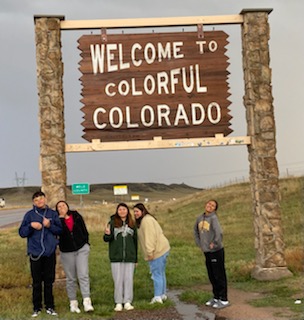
[{"x": 139, "y": 86}]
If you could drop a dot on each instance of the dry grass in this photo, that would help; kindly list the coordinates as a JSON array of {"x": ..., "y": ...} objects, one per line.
[{"x": 295, "y": 259}]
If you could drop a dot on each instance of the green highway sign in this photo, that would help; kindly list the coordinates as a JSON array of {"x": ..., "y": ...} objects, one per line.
[{"x": 80, "y": 188}]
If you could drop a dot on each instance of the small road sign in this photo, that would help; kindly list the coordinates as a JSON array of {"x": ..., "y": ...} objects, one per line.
[{"x": 80, "y": 188}]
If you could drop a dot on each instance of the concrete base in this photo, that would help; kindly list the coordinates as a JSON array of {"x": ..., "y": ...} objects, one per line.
[{"x": 270, "y": 274}]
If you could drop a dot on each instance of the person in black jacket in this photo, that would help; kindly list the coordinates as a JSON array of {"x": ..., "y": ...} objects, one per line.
[{"x": 74, "y": 253}]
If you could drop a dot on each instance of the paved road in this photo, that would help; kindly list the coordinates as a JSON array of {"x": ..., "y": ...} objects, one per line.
[{"x": 11, "y": 216}]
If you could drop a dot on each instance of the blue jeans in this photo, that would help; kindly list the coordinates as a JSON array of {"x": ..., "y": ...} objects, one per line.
[{"x": 158, "y": 271}]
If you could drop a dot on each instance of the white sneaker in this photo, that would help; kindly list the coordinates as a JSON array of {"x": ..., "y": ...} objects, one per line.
[
  {"x": 51, "y": 312},
  {"x": 118, "y": 307},
  {"x": 211, "y": 302},
  {"x": 128, "y": 306},
  {"x": 157, "y": 299},
  {"x": 74, "y": 306},
  {"x": 221, "y": 304},
  {"x": 87, "y": 304},
  {"x": 164, "y": 297}
]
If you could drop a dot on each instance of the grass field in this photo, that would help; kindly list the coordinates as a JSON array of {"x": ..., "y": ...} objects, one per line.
[{"x": 186, "y": 269}]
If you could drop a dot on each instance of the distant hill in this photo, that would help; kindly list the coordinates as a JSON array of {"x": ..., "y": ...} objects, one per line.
[{"x": 104, "y": 192}]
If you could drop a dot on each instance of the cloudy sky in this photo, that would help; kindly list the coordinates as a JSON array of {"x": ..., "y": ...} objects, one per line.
[{"x": 203, "y": 167}]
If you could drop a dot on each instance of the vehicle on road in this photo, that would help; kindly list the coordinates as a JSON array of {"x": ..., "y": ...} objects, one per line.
[{"x": 2, "y": 203}]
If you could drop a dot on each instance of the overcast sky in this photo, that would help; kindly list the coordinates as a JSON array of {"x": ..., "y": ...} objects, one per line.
[{"x": 201, "y": 167}]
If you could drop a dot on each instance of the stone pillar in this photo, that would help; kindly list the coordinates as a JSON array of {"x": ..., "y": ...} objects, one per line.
[
  {"x": 264, "y": 174},
  {"x": 51, "y": 114},
  {"x": 51, "y": 108}
]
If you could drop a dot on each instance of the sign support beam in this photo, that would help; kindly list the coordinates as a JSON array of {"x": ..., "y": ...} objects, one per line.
[
  {"x": 158, "y": 143},
  {"x": 150, "y": 22}
]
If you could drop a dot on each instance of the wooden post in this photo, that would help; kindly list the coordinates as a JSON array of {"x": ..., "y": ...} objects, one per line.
[
  {"x": 264, "y": 174},
  {"x": 51, "y": 107}
]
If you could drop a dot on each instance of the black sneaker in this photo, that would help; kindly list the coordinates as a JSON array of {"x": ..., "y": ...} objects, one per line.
[
  {"x": 51, "y": 312},
  {"x": 36, "y": 313}
]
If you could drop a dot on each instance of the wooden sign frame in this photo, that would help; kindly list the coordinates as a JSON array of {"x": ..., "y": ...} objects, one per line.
[{"x": 156, "y": 142}]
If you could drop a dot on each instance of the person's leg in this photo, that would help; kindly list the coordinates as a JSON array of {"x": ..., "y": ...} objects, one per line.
[
  {"x": 209, "y": 257},
  {"x": 49, "y": 265},
  {"x": 36, "y": 272},
  {"x": 156, "y": 267},
  {"x": 218, "y": 266},
  {"x": 82, "y": 268},
  {"x": 128, "y": 282},
  {"x": 68, "y": 260},
  {"x": 118, "y": 281},
  {"x": 164, "y": 282}
]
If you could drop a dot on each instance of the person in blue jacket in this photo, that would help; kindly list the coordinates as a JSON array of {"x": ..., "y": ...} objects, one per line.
[{"x": 41, "y": 226}]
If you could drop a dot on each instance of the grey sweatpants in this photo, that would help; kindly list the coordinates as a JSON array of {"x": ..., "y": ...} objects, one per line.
[
  {"x": 122, "y": 273},
  {"x": 76, "y": 267}
]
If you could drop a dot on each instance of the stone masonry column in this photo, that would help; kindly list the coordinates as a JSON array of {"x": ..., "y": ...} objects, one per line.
[
  {"x": 51, "y": 107},
  {"x": 264, "y": 174}
]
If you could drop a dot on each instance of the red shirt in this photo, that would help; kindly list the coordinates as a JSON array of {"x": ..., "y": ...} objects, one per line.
[{"x": 69, "y": 222}]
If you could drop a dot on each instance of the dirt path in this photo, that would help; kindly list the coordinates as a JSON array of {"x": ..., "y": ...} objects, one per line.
[{"x": 239, "y": 309}]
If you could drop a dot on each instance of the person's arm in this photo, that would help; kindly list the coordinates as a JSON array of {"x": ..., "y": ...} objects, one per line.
[
  {"x": 55, "y": 225},
  {"x": 217, "y": 240},
  {"x": 84, "y": 227},
  {"x": 108, "y": 233},
  {"x": 26, "y": 229},
  {"x": 135, "y": 239},
  {"x": 150, "y": 237},
  {"x": 196, "y": 233}
]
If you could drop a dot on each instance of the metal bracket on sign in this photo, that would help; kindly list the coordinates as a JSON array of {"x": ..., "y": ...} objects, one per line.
[
  {"x": 104, "y": 37},
  {"x": 200, "y": 31}
]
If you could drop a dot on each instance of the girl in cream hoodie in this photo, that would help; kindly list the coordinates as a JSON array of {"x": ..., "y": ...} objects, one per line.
[{"x": 155, "y": 247}]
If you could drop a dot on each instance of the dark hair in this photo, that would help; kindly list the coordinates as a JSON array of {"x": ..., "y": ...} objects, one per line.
[
  {"x": 38, "y": 194},
  {"x": 144, "y": 210},
  {"x": 69, "y": 212},
  {"x": 117, "y": 219}
]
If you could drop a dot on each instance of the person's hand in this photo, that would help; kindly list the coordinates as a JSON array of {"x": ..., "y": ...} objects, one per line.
[
  {"x": 150, "y": 257},
  {"x": 36, "y": 225},
  {"x": 107, "y": 229},
  {"x": 211, "y": 245},
  {"x": 46, "y": 222}
]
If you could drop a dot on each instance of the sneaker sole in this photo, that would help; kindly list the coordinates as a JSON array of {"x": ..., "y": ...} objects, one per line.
[{"x": 215, "y": 306}]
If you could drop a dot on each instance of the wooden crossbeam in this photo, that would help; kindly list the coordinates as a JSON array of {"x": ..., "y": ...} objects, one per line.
[
  {"x": 150, "y": 22},
  {"x": 158, "y": 143}
]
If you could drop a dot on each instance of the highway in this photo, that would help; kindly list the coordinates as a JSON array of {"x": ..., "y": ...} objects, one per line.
[{"x": 11, "y": 216}]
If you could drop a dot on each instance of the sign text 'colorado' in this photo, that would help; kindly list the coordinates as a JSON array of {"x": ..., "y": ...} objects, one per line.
[{"x": 139, "y": 86}]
